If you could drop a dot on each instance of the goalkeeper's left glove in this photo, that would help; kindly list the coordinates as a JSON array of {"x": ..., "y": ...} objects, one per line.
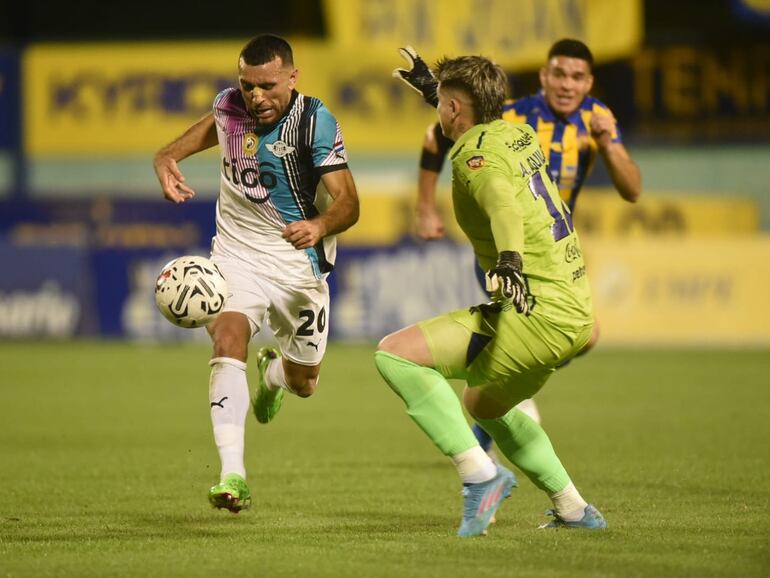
[
  {"x": 506, "y": 281},
  {"x": 419, "y": 76}
]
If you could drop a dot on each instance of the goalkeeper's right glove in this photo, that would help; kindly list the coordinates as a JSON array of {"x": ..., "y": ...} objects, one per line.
[
  {"x": 419, "y": 76},
  {"x": 506, "y": 281}
]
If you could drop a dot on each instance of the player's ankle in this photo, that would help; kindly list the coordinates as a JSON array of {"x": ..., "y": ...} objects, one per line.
[
  {"x": 568, "y": 503},
  {"x": 474, "y": 466}
]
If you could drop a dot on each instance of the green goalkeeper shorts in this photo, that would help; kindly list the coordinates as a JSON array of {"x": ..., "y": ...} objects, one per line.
[{"x": 503, "y": 349}]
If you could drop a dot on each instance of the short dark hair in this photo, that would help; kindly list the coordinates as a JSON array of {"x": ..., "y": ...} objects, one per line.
[
  {"x": 573, "y": 49},
  {"x": 264, "y": 48}
]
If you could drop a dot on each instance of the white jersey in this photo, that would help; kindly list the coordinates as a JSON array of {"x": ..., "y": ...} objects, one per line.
[{"x": 270, "y": 179}]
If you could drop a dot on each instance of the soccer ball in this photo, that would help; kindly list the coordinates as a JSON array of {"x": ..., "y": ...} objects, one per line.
[{"x": 190, "y": 291}]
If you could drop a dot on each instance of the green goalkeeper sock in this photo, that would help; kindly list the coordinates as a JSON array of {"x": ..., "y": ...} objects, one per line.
[
  {"x": 526, "y": 444},
  {"x": 430, "y": 402}
]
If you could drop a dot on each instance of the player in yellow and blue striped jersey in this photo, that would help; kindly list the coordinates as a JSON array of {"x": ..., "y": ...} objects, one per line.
[{"x": 572, "y": 127}]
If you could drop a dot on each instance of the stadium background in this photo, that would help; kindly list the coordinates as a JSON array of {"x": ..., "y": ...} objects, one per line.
[{"x": 83, "y": 228}]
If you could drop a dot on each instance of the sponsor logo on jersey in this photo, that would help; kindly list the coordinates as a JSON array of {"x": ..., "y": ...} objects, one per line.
[
  {"x": 280, "y": 148},
  {"x": 572, "y": 252},
  {"x": 250, "y": 143},
  {"x": 250, "y": 179},
  {"x": 521, "y": 143},
  {"x": 475, "y": 162}
]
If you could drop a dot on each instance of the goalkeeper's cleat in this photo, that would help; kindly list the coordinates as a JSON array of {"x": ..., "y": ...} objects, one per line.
[
  {"x": 231, "y": 493},
  {"x": 592, "y": 520},
  {"x": 481, "y": 501},
  {"x": 267, "y": 403},
  {"x": 515, "y": 484}
]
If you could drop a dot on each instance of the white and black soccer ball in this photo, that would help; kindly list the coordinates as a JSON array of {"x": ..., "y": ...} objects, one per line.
[{"x": 190, "y": 291}]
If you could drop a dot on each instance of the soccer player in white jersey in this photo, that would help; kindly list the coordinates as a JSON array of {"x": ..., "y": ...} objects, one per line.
[{"x": 274, "y": 240}]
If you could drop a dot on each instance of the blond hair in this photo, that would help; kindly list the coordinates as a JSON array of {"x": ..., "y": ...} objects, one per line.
[{"x": 480, "y": 78}]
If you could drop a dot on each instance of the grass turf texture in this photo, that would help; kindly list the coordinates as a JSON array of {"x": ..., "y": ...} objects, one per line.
[{"x": 107, "y": 457}]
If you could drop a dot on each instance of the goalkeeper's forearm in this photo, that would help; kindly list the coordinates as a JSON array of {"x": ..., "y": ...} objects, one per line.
[{"x": 508, "y": 231}]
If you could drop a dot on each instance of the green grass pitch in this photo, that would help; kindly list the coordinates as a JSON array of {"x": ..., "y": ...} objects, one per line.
[{"x": 106, "y": 457}]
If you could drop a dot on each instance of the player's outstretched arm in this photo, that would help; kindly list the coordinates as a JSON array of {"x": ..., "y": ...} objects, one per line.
[
  {"x": 200, "y": 136},
  {"x": 624, "y": 173},
  {"x": 341, "y": 214}
]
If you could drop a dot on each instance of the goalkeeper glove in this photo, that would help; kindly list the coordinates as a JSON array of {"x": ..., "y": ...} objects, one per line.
[
  {"x": 506, "y": 281},
  {"x": 418, "y": 77}
]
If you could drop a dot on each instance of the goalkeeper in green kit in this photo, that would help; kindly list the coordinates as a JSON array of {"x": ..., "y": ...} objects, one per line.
[{"x": 541, "y": 316}]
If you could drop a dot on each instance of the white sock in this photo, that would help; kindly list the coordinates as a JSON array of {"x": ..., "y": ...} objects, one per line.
[
  {"x": 568, "y": 503},
  {"x": 230, "y": 402},
  {"x": 474, "y": 466},
  {"x": 275, "y": 378},
  {"x": 529, "y": 407}
]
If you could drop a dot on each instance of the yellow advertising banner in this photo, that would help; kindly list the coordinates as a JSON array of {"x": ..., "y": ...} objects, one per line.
[
  {"x": 681, "y": 292},
  {"x": 111, "y": 99},
  {"x": 515, "y": 33},
  {"x": 107, "y": 99},
  {"x": 601, "y": 212}
]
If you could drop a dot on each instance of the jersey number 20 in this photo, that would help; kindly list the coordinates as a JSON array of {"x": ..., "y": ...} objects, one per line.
[{"x": 309, "y": 317}]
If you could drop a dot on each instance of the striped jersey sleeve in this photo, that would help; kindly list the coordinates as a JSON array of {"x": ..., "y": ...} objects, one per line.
[{"x": 329, "y": 151}]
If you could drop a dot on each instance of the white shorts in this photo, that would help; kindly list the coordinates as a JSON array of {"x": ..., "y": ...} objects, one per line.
[{"x": 298, "y": 316}]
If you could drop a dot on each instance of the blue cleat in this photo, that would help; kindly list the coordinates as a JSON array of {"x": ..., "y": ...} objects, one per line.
[
  {"x": 481, "y": 501},
  {"x": 592, "y": 520},
  {"x": 515, "y": 484}
]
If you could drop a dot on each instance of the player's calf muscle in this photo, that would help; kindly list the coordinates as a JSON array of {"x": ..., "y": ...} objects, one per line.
[
  {"x": 230, "y": 334},
  {"x": 302, "y": 379}
]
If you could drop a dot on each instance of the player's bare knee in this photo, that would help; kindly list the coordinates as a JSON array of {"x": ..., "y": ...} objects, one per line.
[
  {"x": 482, "y": 403},
  {"x": 594, "y": 336},
  {"x": 230, "y": 344},
  {"x": 388, "y": 343},
  {"x": 408, "y": 343},
  {"x": 403, "y": 343}
]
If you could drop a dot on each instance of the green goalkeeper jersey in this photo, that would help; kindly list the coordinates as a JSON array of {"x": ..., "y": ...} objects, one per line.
[{"x": 505, "y": 200}]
